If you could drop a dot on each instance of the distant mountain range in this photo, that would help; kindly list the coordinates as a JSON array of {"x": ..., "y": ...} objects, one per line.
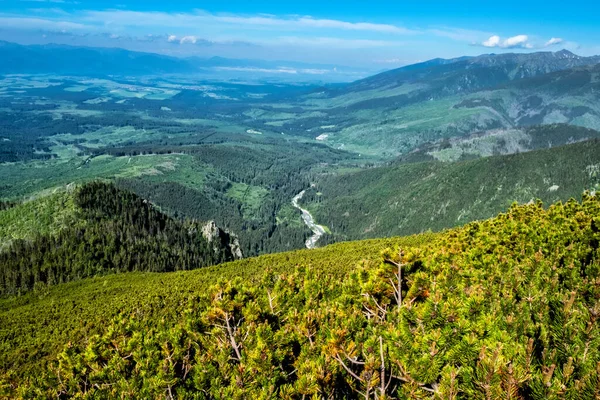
[
  {"x": 442, "y": 76},
  {"x": 70, "y": 60},
  {"x": 466, "y": 74},
  {"x": 398, "y": 111},
  {"x": 60, "y": 59}
]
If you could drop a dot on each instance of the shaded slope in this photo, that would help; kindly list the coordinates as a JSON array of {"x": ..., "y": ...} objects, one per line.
[{"x": 409, "y": 198}]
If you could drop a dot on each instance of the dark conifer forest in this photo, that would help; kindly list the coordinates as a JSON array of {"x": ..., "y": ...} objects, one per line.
[{"x": 118, "y": 232}]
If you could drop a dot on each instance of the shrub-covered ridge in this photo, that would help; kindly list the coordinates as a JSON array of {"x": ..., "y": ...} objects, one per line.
[{"x": 504, "y": 308}]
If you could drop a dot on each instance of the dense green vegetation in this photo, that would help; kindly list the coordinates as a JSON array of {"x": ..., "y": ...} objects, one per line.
[
  {"x": 247, "y": 191},
  {"x": 30, "y": 342},
  {"x": 237, "y": 154},
  {"x": 407, "y": 198},
  {"x": 506, "y": 307},
  {"x": 118, "y": 232}
]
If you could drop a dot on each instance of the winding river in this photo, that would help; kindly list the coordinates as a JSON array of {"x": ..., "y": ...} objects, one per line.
[{"x": 308, "y": 219}]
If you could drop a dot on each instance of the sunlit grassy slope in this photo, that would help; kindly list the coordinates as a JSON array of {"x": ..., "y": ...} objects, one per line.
[
  {"x": 34, "y": 327},
  {"x": 45, "y": 215}
]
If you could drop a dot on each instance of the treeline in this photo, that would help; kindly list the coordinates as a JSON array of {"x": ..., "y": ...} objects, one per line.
[
  {"x": 23, "y": 135},
  {"x": 504, "y": 308},
  {"x": 120, "y": 232}
]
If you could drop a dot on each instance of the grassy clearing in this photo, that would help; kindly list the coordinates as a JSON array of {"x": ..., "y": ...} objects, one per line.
[
  {"x": 403, "y": 129},
  {"x": 251, "y": 197},
  {"x": 348, "y": 99},
  {"x": 111, "y": 135},
  {"x": 76, "y": 89},
  {"x": 24, "y": 179}
]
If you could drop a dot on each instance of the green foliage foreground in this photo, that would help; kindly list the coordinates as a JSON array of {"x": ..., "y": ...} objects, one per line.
[{"x": 504, "y": 308}]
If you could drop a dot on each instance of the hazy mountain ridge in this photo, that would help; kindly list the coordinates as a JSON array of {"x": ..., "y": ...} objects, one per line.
[
  {"x": 465, "y": 74},
  {"x": 104, "y": 61},
  {"x": 61, "y": 59}
]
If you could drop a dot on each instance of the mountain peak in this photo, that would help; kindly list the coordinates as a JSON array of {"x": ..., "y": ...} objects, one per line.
[{"x": 564, "y": 53}]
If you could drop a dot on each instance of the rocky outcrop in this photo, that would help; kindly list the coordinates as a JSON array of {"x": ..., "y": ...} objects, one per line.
[{"x": 222, "y": 240}]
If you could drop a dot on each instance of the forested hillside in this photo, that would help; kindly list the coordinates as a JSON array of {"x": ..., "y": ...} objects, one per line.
[
  {"x": 503, "y": 308},
  {"x": 111, "y": 231},
  {"x": 406, "y": 198},
  {"x": 396, "y": 112}
]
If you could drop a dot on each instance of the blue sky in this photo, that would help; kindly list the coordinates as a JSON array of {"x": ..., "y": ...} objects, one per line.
[{"x": 375, "y": 34}]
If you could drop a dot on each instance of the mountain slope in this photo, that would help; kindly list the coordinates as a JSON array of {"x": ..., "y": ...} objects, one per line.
[
  {"x": 409, "y": 198},
  {"x": 389, "y": 117},
  {"x": 466, "y": 74},
  {"x": 28, "y": 343},
  {"x": 502, "y": 142},
  {"x": 108, "y": 231},
  {"x": 569, "y": 96},
  {"x": 504, "y": 307}
]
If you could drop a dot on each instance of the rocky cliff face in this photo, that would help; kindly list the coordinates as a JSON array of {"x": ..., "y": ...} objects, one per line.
[{"x": 222, "y": 240}]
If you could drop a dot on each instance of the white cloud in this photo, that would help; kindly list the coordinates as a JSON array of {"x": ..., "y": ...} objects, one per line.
[
  {"x": 280, "y": 70},
  {"x": 188, "y": 39},
  {"x": 179, "y": 20},
  {"x": 519, "y": 41},
  {"x": 39, "y": 24},
  {"x": 390, "y": 61},
  {"x": 516, "y": 41},
  {"x": 493, "y": 41},
  {"x": 458, "y": 34},
  {"x": 45, "y": 1},
  {"x": 358, "y": 26},
  {"x": 52, "y": 1},
  {"x": 172, "y": 38},
  {"x": 553, "y": 42}
]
